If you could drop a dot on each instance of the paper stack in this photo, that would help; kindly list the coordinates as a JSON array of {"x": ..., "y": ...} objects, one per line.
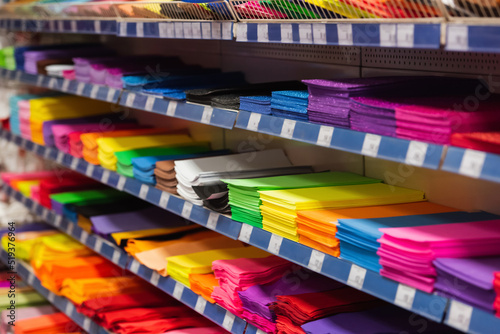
[
  {"x": 290, "y": 104},
  {"x": 258, "y": 104}
]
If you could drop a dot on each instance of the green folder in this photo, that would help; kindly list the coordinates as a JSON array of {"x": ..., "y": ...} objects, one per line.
[
  {"x": 124, "y": 164},
  {"x": 88, "y": 197},
  {"x": 244, "y": 197}
]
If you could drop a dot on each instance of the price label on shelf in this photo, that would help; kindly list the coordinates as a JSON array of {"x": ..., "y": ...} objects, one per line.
[
  {"x": 105, "y": 176},
  {"x": 325, "y": 136},
  {"x": 70, "y": 228},
  {"x": 84, "y": 237},
  {"x": 253, "y": 121},
  {"x": 97, "y": 26},
  {"x": 371, "y": 145},
  {"x": 405, "y": 296},
  {"x": 98, "y": 245},
  {"x": 178, "y": 290},
  {"x": 305, "y": 33},
  {"x": 186, "y": 209},
  {"x": 60, "y": 157},
  {"x": 216, "y": 30},
  {"x": 275, "y": 244},
  {"x": 90, "y": 170},
  {"x": 74, "y": 163},
  {"x": 227, "y": 30},
  {"x": 206, "y": 30},
  {"x": 69, "y": 308},
  {"x": 187, "y": 28},
  {"x": 143, "y": 192},
  {"x": 228, "y": 321},
  {"x": 316, "y": 260},
  {"x": 319, "y": 33},
  {"x": 245, "y": 233},
  {"x": 196, "y": 26},
  {"x": 39, "y": 80},
  {"x": 166, "y": 30},
  {"x": 129, "y": 102},
  {"x": 286, "y": 33},
  {"x": 213, "y": 218},
  {"x": 288, "y": 128},
  {"x": 93, "y": 92},
  {"x": 51, "y": 297},
  {"x": 53, "y": 83},
  {"x": 116, "y": 257},
  {"x": 206, "y": 117},
  {"x": 134, "y": 266},
  {"x": 457, "y": 38},
  {"x": 65, "y": 85},
  {"x": 201, "y": 304},
  {"x": 79, "y": 88},
  {"x": 52, "y": 25},
  {"x": 73, "y": 26},
  {"x": 121, "y": 182},
  {"x": 356, "y": 276},
  {"x": 460, "y": 315},
  {"x": 388, "y": 35},
  {"x": 242, "y": 32},
  {"x": 262, "y": 32},
  {"x": 57, "y": 221},
  {"x": 416, "y": 153},
  {"x": 86, "y": 324},
  {"x": 172, "y": 105},
  {"x": 155, "y": 278},
  {"x": 164, "y": 199},
  {"x": 405, "y": 35},
  {"x": 31, "y": 279},
  {"x": 139, "y": 29},
  {"x": 150, "y": 101},
  {"x": 472, "y": 163},
  {"x": 179, "y": 30},
  {"x": 344, "y": 32},
  {"x": 123, "y": 28}
]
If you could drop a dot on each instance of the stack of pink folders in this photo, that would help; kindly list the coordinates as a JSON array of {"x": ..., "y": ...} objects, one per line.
[
  {"x": 406, "y": 253},
  {"x": 24, "y": 118}
]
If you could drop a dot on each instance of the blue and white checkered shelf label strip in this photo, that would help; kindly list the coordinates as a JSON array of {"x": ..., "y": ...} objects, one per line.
[
  {"x": 182, "y": 293},
  {"x": 403, "y": 35},
  {"x": 346, "y": 272},
  {"x": 101, "y": 27},
  {"x": 62, "y": 303},
  {"x": 469, "y": 319},
  {"x": 184, "y": 30},
  {"x": 410, "y": 152},
  {"x": 193, "y": 112},
  {"x": 460, "y": 37},
  {"x": 472, "y": 163}
]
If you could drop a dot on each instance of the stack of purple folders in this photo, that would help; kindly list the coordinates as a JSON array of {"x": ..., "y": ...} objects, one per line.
[
  {"x": 373, "y": 115},
  {"x": 469, "y": 280}
]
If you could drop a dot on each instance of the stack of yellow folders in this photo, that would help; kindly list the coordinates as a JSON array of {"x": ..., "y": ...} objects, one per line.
[{"x": 279, "y": 207}]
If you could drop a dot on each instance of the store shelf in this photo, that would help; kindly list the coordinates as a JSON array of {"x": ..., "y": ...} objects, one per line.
[
  {"x": 100, "y": 27},
  {"x": 368, "y": 281},
  {"x": 403, "y": 35},
  {"x": 400, "y": 150},
  {"x": 193, "y": 112},
  {"x": 177, "y": 290},
  {"x": 476, "y": 164},
  {"x": 183, "y": 30},
  {"x": 61, "y": 303},
  {"x": 480, "y": 38}
]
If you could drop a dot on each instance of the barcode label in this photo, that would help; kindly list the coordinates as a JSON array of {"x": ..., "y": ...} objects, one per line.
[
  {"x": 288, "y": 128},
  {"x": 139, "y": 29},
  {"x": 262, "y": 32},
  {"x": 387, "y": 35},
  {"x": 172, "y": 105},
  {"x": 253, "y": 121},
  {"x": 371, "y": 145},
  {"x": 242, "y": 32},
  {"x": 206, "y": 117},
  {"x": 325, "y": 136},
  {"x": 356, "y": 276},
  {"x": 245, "y": 233},
  {"x": 319, "y": 33},
  {"x": 416, "y": 153},
  {"x": 305, "y": 33},
  {"x": 213, "y": 218},
  {"x": 143, "y": 192},
  {"x": 344, "y": 31},
  {"x": 472, "y": 163},
  {"x": 405, "y": 35},
  {"x": 286, "y": 33},
  {"x": 186, "y": 209},
  {"x": 275, "y": 244},
  {"x": 316, "y": 260}
]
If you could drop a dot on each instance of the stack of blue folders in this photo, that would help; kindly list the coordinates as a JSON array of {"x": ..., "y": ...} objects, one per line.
[
  {"x": 258, "y": 104},
  {"x": 290, "y": 104}
]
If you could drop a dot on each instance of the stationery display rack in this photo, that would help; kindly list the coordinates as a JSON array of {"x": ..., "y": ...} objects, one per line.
[{"x": 456, "y": 314}]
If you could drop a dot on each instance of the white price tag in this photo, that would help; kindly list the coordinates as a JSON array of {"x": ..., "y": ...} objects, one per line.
[
  {"x": 164, "y": 199},
  {"x": 74, "y": 163},
  {"x": 166, "y": 30},
  {"x": 86, "y": 324},
  {"x": 57, "y": 221},
  {"x": 93, "y": 92},
  {"x": 416, "y": 153},
  {"x": 155, "y": 278},
  {"x": 206, "y": 30},
  {"x": 371, "y": 145},
  {"x": 325, "y": 136},
  {"x": 31, "y": 279},
  {"x": 227, "y": 30},
  {"x": 65, "y": 85},
  {"x": 305, "y": 33},
  {"x": 179, "y": 30},
  {"x": 245, "y": 233},
  {"x": 196, "y": 27},
  {"x": 79, "y": 88},
  {"x": 187, "y": 28},
  {"x": 53, "y": 83},
  {"x": 139, "y": 29},
  {"x": 60, "y": 157},
  {"x": 472, "y": 163},
  {"x": 275, "y": 244},
  {"x": 405, "y": 35},
  {"x": 201, "y": 303},
  {"x": 405, "y": 296},
  {"x": 69, "y": 308},
  {"x": 242, "y": 32},
  {"x": 90, "y": 170},
  {"x": 253, "y": 121},
  {"x": 288, "y": 128},
  {"x": 39, "y": 80},
  {"x": 111, "y": 95},
  {"x": 83, "y": 237},
  {"x": 73, "y": 26},
  {"x": 123, "y": 28},
  {"x": 116, "y": 257},
  {"x": 460, "y": 315},
  {"x": 356, "y": 277},
  {"x": 97, "y": 26},
  {"x": 172, "y": 105},
  {"x": 70, "y": 228},
  {"x": 150, "y": 103},
  {"x": 178, "y": 290},
  {"x": 319, "y": 33},
  {"x": 316, "y": 260},
  {"x": 216, "y": 30},
  {"x": 260, "y": 331},
  {"x": 45, "y": 214},
  {"x": 206, "y": 117},
  {"x": 286, "y": 33},
  {"x": 228, "y": 321},
  {"x": 143, "y": 192},
  {"x": 458, "y": 38},
  {"x": 213, "y": 218},
  {"x": 262, "y": 32},
  {"x": 186, "y": 209},
  {"x": 105, "y": 176},
  {"x": 134, "y": 267},
  {"x": 388, "y": 35},
  {"x": 121, "y": 182},
  {"x": 344, "y": 32},
  {"x": 98, "y": 245},
  {"x": 129, "y": 102},
  {"x": 51, "y": 297}
]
